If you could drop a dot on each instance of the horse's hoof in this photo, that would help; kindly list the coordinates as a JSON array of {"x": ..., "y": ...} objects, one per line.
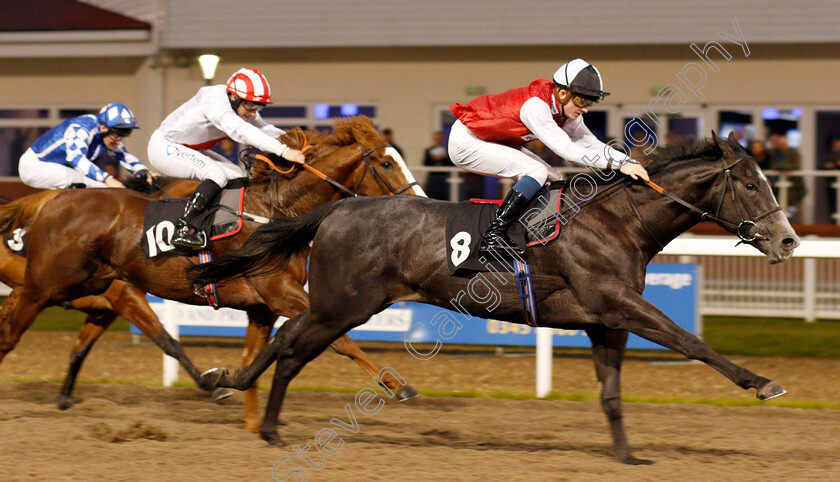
[
  {"x": 64, "y": 403},
  {"x": 407, "y": 393},
  {"x": 213, "y": 376},
  {"x": 630, "y": 460},
  {"x": 770, "y": 390},
  {"x": 272, "y": 437},
  {"x": 221, "y": 394}
]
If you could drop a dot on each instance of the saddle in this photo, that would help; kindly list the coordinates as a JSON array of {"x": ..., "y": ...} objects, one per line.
[
  {"x": 469, "y": 220},
  {"x": 219, "y": 220}
]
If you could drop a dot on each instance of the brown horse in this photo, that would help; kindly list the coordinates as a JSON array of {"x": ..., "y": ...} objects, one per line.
[
  {"x": 102, "y": 310},
  {"x": 119, "y": 300},
  {"x": 101, "y": 246}
]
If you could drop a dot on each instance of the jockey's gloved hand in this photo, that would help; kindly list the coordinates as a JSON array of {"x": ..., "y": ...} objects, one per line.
[
  {"x": 634, "y": 170},
  {"x": 294, "y": 155},
  {"x": 113, "y": 182},
  {"x": 145, "y": 175}
]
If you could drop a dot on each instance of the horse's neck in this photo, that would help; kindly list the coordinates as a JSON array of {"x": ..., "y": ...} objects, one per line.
[
  {"x": 294, "y": 197},
  {"x": 665, "y": 219}
]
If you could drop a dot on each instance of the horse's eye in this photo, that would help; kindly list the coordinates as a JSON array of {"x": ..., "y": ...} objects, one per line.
[
  {"x": 387, "y": 164},
  {"x": 750, "y": 187}
]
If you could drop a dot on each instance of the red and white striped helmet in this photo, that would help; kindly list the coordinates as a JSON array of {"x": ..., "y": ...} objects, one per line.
[{"x": 250, "y": 85}]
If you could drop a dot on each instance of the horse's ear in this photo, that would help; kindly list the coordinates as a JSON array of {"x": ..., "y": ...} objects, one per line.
[
  {"x": 732, "y": 137},
  {"x": 724, "y": 147}
]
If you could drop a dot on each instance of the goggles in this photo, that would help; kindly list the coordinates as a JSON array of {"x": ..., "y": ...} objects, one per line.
[
  {"x": 580, "y": 101},
  {"x": 252, "y": 106},
  {"x": 119, "y": 133}
]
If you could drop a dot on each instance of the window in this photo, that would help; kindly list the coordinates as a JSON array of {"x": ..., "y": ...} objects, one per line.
[
  {"x": 20, "y": 127},
  {"x": 317, "y": 116}
]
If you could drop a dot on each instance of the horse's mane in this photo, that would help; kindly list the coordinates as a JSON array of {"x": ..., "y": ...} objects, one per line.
[
  {"x": 346, "y": 131},
  {"x": 683, "y": 149}
]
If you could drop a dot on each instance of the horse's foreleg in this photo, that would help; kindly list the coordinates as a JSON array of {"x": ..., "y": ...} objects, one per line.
[
  {"x": 12, "y": 268},
  {"x": 347, "y": 347},
  {"x": 608, "y": 353},
  {"x": 95, "y": 324},
  {"x": 247, "y": 376},
  {"x": 9, "y": 334},
  {"x": 130, "y": 303},
  {"x": 626, "y": 309},
  {"x": 17, "y": 313},
  {"x": 260, "y": 324}
]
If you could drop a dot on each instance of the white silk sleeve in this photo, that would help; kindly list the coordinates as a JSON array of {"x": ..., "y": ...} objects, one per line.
[
  {"x": 218, "y": 112},
  {"x": 536, "y": 115}
]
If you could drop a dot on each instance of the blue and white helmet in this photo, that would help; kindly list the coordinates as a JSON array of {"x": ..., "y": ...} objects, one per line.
[{"x": 116, "y": 115}]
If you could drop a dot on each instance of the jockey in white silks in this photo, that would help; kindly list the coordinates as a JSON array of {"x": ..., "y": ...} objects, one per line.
[{"x": 180, "y": 147}]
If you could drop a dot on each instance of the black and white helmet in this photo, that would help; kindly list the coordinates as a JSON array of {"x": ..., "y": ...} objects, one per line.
[{"x": 582, "y": 78}]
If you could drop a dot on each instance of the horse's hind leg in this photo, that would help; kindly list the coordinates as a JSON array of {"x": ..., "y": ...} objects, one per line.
[
  {"x": 347, "y": 347},
  {"x": 608, "y": 352},
  {"x": 95, "y": 324},
  {"x": 295, "y": 299},
  {"x": 306, "y": 337},
  {"x": 295, "y": 343}
]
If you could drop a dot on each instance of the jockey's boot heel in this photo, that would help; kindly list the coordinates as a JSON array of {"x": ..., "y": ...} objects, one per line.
[
  {"x": 184, "y": 237},
  {"x": 496, "y": 238}
]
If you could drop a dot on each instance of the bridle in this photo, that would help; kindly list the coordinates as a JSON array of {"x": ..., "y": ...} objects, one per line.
[
  {"x": 742, "y": 229},
  {"x": 381, "y": 181}
]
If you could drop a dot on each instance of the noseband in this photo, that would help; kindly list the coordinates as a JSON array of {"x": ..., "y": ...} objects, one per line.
[{"x": 742, "y": 229}]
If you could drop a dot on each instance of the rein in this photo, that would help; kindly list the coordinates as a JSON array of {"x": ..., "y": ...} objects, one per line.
[
  {"x": 309, "y": 168},
  {"x": 160, "y": 188},
  {"x": 742, "y": 229},
  {"x": 380, "y": 180}
]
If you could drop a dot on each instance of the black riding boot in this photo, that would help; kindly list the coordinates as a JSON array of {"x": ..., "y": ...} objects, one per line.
[
  {"x": 184, "y": 236},
  {"x": 195, "y": 239},
  {"x": 496, "y": 238}
]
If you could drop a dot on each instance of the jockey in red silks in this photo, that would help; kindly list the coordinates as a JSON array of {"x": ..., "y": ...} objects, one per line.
[
  {"x": 488, "y": 136},
  {"x": 180, "y": 147}
]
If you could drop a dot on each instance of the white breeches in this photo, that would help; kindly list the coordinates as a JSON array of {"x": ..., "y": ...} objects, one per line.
[
  {"x": 49, "y": 175},
  {"x": 476, "y": 155},
  {"x": 177, "y": 160}
]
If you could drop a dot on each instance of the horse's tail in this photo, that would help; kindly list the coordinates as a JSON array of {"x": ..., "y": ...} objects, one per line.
[
  {"x": 20, "y": 213},
  {"x": 268, "y": 249}
]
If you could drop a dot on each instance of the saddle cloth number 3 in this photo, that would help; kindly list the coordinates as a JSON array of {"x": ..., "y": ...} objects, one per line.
[
  {"x": 460, "y": 244},
  {"x": 15, "y": 241},
  {"x": 158, "y": 236}
]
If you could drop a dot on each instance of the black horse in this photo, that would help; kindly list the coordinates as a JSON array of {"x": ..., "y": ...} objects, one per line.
[{"x": 370, "y": 253}]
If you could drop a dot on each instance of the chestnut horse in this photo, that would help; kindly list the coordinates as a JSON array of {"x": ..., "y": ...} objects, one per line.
[
  {"x": 102, "y": 310},
  {"x": 369, "y": 253},
  {"x": 101, "y": 229}
]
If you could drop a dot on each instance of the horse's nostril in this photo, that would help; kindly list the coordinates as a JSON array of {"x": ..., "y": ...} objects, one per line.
[{"x": 789, "y": 243}]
